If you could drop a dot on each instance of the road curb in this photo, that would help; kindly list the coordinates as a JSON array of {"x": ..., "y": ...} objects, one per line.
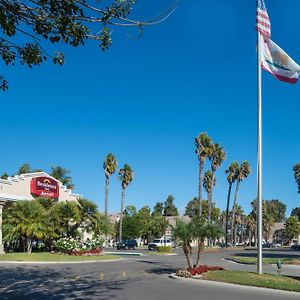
[
  {"x": 202, "y": 281},
  {"x": 57, "y": 262}
]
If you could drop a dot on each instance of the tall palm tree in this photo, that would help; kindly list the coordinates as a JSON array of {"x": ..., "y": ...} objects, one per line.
[
  {"x": 251, "y": 225},
  {"x": 216, "y": 156},
  {"x": 231, "y": 177},
  {"x": 110, "y": 166},
  {"x": 242, "y": 173},
  {"x": 203, "y": 146},
  {"x": 126, "y": 177},
  {"x": 62, "y": 175},
  {"x": 208, "y": 183}
]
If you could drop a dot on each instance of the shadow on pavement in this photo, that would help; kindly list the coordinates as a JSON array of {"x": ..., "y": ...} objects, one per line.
[{"x": 42, "y": 283}]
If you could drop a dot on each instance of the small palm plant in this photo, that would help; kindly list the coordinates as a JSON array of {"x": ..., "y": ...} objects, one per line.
[
  {"x": 184, "y": 232},
  {"x": 126, "y": 176},
  {"x": 110, "y": 166}
]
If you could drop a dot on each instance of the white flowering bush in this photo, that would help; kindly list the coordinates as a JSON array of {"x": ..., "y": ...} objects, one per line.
[{"x": 76, "y": 247}]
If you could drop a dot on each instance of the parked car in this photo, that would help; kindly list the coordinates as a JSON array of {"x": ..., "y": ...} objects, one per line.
[
  {"x": 156, "y": 243},
  {"x": 127, "y": 244},
  {"x": 295, "y": 247}
]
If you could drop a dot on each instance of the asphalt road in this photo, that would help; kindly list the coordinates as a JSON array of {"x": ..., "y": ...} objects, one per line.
[{"x": 144, "y": 277}]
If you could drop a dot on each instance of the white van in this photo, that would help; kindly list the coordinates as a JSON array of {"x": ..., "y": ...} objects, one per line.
[{"x": 159, "y": 242}]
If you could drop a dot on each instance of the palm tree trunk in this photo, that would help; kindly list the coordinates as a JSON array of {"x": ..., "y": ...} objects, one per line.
[
  {"x": 233, "y": 211},
  {"x": 201, "y": 247},
  {"x": 227, "y": 214},
  {"x": 121, "y": 214},
  {"x": 201, "y": 166},
  {"x": 106, "y": 195},
  {"x": 187, "y": 251},
  {"x": 209, "y": 197},
  {"x": 29, "y": 245}
]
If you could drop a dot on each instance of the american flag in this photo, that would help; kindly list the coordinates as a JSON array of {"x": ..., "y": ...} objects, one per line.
[{"x": 263, "y": 23}]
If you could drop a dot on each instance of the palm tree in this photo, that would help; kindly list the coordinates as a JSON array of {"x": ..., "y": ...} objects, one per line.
[
  {"x": 61, "y": 174},
  {"x": 126, "y": 177},
  {"x": 251, "y": 225},
  {"x": 203, "y": 146},
  {"x": 25, "y": 219},
  {"x": 208, "y": 183},
  {"x": 242, "y": 173},
  {"x": 184, "y": 232},
  {"x": 231, "y": 177},
  {"x": 109, "y": 166},
  {"x": 216, "y": 156}
]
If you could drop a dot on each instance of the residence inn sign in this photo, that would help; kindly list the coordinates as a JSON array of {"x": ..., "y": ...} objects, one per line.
[{"x": 44, "y": 187}]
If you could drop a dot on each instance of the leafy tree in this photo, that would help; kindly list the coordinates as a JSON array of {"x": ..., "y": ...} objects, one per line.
[
  {"x": 126, "y": 177},
  {"x": 144, "y": 217},
  {"x": 203, "y": 148},
  {"x": 296, "y": 212},
  {"x": 62, "y": 175},
  {"x": 216, "y": 156},
  {"x": 110, "y": 166},
  {"x": 170, "y": 209},
  {"x": 130, "y": 223},
  {"x": 192, "y": 208},
  {"x": 292, "y": 228},
  {"x": 4, "y": 175},
  {"x": 30, "y": 27},
  {"x": 208, "y": 183},
  {"x": 157, "y": 225},
  {"x": 276, "y": 209},
  {"x": 25, "y": 168},
  {"x": 242, "y": 173},
  {"x": 158, "y": 209},
  {"x": 296, "y": 170},
  {"x": 231, "y": 177},
  {"x": 26, "y": 220}
]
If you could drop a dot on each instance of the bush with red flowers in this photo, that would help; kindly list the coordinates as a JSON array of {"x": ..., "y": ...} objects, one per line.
[
  {"x": 202, "y": 269},
  {"x": 189, "y": 272}
]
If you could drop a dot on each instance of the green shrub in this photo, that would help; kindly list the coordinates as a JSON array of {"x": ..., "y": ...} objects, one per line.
[{"x": 165, "y": 249}]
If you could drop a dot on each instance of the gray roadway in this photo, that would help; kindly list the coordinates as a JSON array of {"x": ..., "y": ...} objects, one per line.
[{"x": 144, "y": 277}]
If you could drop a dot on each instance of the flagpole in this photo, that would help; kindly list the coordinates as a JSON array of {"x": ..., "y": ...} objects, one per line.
[{"x": 259, "y": 159}]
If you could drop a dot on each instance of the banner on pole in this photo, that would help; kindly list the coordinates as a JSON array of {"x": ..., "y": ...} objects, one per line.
[{"x": 277, "y": 62}]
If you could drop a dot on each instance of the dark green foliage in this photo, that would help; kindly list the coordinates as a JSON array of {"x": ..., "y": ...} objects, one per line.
[
  {"x": 296, "y": 212},
  {"x": 158, "y": 208},
  {"x": 292, "y": 228},
  {"x": 192, "y": 208},
  {"x": 170, "y": 209},
  {"x": 42, "y": 23},
  {"x": 296, "y": 170}
]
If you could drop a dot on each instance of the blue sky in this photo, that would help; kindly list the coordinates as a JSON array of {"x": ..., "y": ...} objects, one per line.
[{"x": 145, "y": 101}]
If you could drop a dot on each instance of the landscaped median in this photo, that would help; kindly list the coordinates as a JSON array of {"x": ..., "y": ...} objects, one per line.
[
  {"x": 252, "y": 279},
  {"x": 218, "y": 274},
  {"x": 49, "y": 257},
  {"x": 267, "y": 260}
]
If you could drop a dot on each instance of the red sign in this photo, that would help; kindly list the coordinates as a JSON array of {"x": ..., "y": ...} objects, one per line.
[{"x": 44, "y": 187}]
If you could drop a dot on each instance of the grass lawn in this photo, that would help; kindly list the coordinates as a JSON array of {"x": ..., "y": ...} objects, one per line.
[
  {"x": 253, "y": 260},
  {"x": 48, "y": 257},
  {"x": 253, "y": 279}
]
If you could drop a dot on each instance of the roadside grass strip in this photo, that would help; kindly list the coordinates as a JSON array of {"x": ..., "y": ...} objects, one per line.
[
  {"x": 252, "y": 279},
  {"x": 49, "y": 257},
  {"x": 268, "y": 260}
]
